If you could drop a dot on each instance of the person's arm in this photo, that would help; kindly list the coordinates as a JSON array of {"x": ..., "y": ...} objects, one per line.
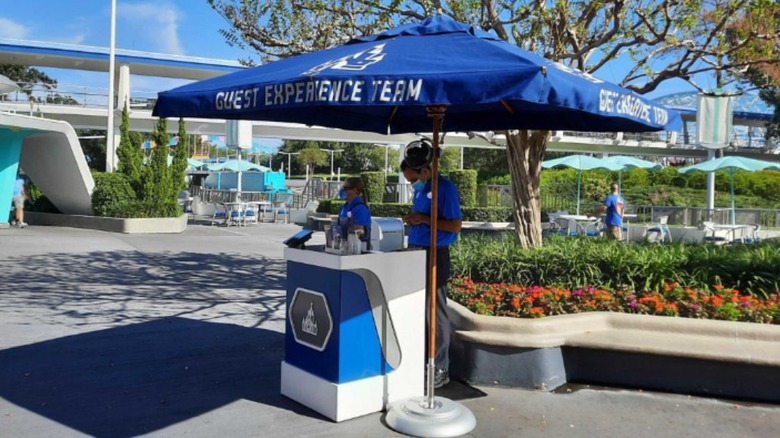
[{"x": 449, "y": 225}]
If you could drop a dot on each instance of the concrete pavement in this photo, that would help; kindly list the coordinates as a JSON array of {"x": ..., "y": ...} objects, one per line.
[{"x": 115, "y": 335}]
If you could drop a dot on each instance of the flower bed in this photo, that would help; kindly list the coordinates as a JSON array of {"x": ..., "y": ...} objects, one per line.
[{"x": 500, "y": 299}]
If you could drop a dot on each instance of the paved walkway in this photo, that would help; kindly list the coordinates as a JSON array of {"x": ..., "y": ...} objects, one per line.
[{"x": 181, "y": 335}]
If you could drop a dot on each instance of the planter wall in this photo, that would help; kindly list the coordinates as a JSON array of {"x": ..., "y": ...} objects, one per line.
[
  {"x": 115, "y": 225},
  {"x": 689, "y": 356}
]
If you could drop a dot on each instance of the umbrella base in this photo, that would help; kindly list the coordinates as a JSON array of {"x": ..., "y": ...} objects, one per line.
[{"x": 446, "y": 419}]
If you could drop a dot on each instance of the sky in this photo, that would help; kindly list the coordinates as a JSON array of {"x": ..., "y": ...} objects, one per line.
[{"x": 182, "y": 27}]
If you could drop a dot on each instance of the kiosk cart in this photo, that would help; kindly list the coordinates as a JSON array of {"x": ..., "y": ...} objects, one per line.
[{"x": 355, "y": 330}]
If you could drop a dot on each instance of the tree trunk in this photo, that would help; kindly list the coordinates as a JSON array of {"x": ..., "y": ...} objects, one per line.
[{"x": 525, "y": 151}]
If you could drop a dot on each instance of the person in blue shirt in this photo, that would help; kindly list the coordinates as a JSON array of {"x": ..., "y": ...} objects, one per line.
[
  {"x": 20, "y": 195},
  {"x": 613, "y": 205},
  {"x": 352, "y": 191},
  {"x": 418, "y": 157}
]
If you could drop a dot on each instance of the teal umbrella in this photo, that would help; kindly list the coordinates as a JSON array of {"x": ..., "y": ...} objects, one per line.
[
  {"x": 732, "y": 164},
  {"x": 195, "y": 164},
  {"x": 580, "y": 162},
  {"x": 626, "y": 163},
  {"x": 234, "y": 166}
]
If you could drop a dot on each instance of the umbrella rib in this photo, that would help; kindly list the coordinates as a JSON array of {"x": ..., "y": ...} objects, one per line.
[
  {"x": 392, "y": 116},
  {"x": 507, "y": 106}
]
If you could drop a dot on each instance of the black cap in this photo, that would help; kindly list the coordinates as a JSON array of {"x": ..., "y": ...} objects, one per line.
[{"x": 418, "y": 154}]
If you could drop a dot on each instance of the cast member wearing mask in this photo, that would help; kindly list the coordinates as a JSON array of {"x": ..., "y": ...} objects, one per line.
[
  {"x": 352, "y": 192},
  {"x": 418, "y": 158}
]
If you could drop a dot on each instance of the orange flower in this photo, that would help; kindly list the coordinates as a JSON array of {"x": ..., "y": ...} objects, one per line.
[{"x": 516, "y": 302}]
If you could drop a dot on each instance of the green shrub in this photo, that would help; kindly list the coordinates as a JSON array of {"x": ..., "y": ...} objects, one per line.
[
  {"x": 472, "y": 214},
  {"x": 111, "y": 189},
  {"x": 486, "y": 214},
  {"x": 390, "y": 209},
  {"x": 466, "y": 182},
  {"x": 144, "y": 209},
  {"x": 37, "y": 201},
  {"x": 375, "y": 186},
  {"x": 602, "y": 263}
]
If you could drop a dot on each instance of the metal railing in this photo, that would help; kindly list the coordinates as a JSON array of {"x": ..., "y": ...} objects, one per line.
[
  {"x": 501, "y": 195},
  {"x": 73, "y": 95}
]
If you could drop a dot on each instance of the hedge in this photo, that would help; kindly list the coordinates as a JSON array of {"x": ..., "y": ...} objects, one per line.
[
  {"x": 466, "y": 182},
  {"x": 470, "y": 214},
  {"x": 111, "y": 190},
  {"x": 375, "y": 186}
]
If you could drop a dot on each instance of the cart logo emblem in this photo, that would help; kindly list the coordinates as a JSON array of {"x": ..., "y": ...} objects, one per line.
[
  {"x": 309, "y": 323},
  {"x": 310, "y": 319}
]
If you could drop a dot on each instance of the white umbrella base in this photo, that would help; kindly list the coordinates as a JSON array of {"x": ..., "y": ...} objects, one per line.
[{"x": 445, "y": 419}]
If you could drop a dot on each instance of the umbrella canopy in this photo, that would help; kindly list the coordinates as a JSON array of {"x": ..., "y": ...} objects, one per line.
[
  {"x": 237, "y": 166},
  {"x": 383, "y": 83},
  {"x": 731, "y": 164},
  {"x": 627, "y": 162},
  {"x": 195, "y": 164},
  {"x": 7, "y": 85},
  {"x": 580, "y": 162}
]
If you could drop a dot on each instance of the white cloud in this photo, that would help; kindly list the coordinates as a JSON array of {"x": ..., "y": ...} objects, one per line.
[
  {"x": 12, "y": 29},
  {"x": 155, "y": 23}
]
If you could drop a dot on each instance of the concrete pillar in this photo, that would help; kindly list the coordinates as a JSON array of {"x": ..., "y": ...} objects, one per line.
[
  {"x": 123, "y": 88},
  {"x": 710, "y": 187},
  {"x": 10, "y": 150}
]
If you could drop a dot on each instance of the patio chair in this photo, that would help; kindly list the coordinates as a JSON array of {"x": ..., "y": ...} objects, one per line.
[
  {"x": 554, "y": 226},
  {"x": 282, "y": 205},
  {"x": 593, "y": 229},
  {"x": 220, "y": 214},
  {"x": 751, "y": 235},
  {"x": 234, "y": 215},
  {"x": 250, "y": 214},
  {"x": 659, "y": 230}
]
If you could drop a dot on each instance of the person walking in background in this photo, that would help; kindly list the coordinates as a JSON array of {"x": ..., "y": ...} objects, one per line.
[
  {"x": 613, "y": 205},
  {"x": 20, "y": 195},
  {"x": 418, "y": 158}
]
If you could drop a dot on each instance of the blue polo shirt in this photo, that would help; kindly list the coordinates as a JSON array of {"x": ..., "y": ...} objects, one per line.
[
  {"x": 449, "y": 208},
  {"x": 361, "y": 214},
  {"x": 18, "y": 187},
  {"x": 613, "y": 217}
]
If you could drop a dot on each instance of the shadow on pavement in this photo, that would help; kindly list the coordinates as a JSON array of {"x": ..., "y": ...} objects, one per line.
[
  {"x": 129, "y": 380},
  {"x": 131, "y": 286}
]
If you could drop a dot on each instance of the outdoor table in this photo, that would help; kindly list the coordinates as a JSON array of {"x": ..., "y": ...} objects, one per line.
[
  {"x": 733, "y": 230},
  {"x": 582, "y": 221}
]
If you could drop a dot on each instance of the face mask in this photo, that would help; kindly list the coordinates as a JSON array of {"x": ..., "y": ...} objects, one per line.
[
  {"x": 342, "y": 194},
  {"x": 418, "y": 186}
]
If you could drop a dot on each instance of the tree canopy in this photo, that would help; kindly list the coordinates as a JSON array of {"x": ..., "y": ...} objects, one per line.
[{"x": 649, "y": 41}]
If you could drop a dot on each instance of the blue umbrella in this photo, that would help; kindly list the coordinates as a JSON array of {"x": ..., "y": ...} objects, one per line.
[
  {"x": 398, "y": 80},
  {"x": 383, "y": 83},
  {"x": 580, "y": 162},
  {"x": 731, "y": 164}
]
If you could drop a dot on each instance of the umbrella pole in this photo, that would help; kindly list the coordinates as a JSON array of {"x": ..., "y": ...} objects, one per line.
[
  {"x": 579, "y": 178},
  {"x": 437, "y": 114},
  {"x": 429, "y": 416},
  {"x": 731, "y": 189}
]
